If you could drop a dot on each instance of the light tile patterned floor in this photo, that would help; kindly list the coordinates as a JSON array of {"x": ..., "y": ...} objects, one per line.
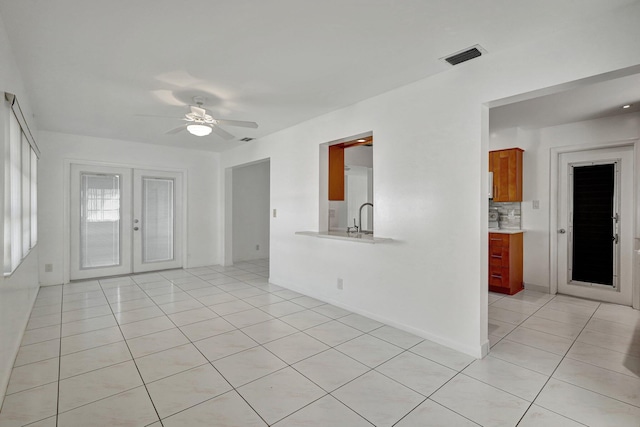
[{"x": 218, "y": 346}]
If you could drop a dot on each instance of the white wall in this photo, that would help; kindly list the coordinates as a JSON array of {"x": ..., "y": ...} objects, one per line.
[
  {"x": 250, "y": 211},
  {"x": 18, "y": 292},
  {"x": 361, "y": 155},
  {"x": 202, "y": 237},
  {"x": 430, "y": 162},
  {"x": 537, "y": 144}
]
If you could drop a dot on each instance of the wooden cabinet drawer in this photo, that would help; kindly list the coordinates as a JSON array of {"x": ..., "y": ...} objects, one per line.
[
  {"x": 498, "y": 240},
  {"x": 505, "y": 263},
  {"x": 499, "y": 256},
  {"x": 498, "y": 276}
]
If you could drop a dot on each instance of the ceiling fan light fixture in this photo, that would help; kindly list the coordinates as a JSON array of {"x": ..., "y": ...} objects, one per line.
[{"x": 199, "y": 129}]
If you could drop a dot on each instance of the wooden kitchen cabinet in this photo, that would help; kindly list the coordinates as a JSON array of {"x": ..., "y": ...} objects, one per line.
[
  {"x": 506, "y": 166},
  {"x": 505, "y": 263},
  {"x": 336, "y": 172}
]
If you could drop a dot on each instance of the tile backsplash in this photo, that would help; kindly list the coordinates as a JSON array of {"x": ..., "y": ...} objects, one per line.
[{"x": 510, "y": 212}]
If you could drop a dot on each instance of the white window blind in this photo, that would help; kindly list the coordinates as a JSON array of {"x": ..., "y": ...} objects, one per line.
[
  {"x": 20, "y": 197},
  {"x": 26, "y": 196},
  {"x": 34, "y": 198},
  {"x": 158, "y": 218},
  {"x": 7, "y": 198},
  {"x": 99, "y": 220},
  {"x": 15, "y": 197}
]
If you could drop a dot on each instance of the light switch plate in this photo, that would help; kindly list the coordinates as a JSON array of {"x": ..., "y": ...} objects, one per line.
[{"x": 536, "y": 204}]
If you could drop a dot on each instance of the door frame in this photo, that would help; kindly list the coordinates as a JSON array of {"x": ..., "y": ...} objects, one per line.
[
  {"x": 66, "y": 203},
  {"x": 555, "y": 153},
  {"x": 125, "y": 232}
]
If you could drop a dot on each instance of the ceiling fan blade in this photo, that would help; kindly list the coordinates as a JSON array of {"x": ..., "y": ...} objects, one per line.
[
  {"x": 157, "y": 116},
  {"x": 222, "y": 133},
  {"x": 200, "y": 112},
  {"x": 240, "y": 123},
  {"x": 176, "y": 130}
]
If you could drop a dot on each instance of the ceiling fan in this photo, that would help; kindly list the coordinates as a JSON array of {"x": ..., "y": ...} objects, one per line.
[{"x": 200, "y": 123}]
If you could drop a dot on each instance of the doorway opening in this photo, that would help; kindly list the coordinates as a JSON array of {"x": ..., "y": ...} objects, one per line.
[
  {"x": 247, "y": 213},
  {"x": 577, "y": 116}
]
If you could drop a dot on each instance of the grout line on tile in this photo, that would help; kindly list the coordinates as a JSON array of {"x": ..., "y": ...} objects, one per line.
[
  {"x": 134, "y": 362},
  {"x": 59, "y": 360},
  {"x": 555, "y": 369}
]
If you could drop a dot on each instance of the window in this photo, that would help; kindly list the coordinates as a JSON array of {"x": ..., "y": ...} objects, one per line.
[{"x": 20, "y": 192}]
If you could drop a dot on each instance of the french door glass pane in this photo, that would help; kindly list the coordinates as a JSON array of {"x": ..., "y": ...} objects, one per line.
[
  {"x": 593, "y": 246},
  {"x": 157, "y": 219},
  {"x": 99, "y": 220}
]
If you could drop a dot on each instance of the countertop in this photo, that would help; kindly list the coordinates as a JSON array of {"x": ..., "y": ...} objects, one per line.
[
  {"x": 343, "y": 235},
  {"x": 505, "y": 231}
]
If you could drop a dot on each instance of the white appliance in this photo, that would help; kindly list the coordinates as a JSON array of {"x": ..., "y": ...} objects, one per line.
[{"x": 491, "y": 185}]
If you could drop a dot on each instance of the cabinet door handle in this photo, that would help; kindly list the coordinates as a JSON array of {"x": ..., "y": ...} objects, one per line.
[
  {"x": 496, "y": 256},
  {"x": 496, "y": 240},
  {"x": 496, "y": 276}
]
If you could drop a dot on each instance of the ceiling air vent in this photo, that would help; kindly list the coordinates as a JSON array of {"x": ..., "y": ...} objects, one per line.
[
  {"x": 465, "y": 55},
  {"x": 247, "y": 139}
]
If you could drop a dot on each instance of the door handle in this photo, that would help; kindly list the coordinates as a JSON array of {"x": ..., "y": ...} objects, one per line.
[{"x": 562, "y": 231}]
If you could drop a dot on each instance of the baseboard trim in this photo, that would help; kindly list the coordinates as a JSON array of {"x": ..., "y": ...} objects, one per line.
[{"x": 536, "y": 288}]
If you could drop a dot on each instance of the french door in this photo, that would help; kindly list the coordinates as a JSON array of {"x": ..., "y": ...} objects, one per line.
[
  {"x": 595, "y": 218},
  {"x": 124, "y": 221}
]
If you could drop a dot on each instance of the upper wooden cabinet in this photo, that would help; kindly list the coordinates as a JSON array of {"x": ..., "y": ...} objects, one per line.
[
  {"x": 336, "y": 172},
  {"x": 506, "y": 166}
]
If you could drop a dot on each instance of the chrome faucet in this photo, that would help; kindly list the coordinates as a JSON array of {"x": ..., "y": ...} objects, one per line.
[
  {"x": 360, "y": 215},
  {"x": 355, "y": 227}
]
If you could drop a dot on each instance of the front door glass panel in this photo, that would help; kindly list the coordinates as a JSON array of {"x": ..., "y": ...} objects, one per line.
[
  {"x": 99, "y": 220},
  {"x": 157, "y": 219}
]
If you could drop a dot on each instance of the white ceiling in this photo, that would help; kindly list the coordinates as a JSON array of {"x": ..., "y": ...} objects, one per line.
[
  {"x": 584, "y": 102},
  {"x": 90, "y": 67}
]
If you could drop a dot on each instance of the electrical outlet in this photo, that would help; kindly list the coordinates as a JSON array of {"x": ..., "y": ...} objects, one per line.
[
  {"x": 274, "y": 213},
  {"x": 340, "y": 284},
  {"x": 48, "y": 268},
  {"x": 257, "y": 247}
]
